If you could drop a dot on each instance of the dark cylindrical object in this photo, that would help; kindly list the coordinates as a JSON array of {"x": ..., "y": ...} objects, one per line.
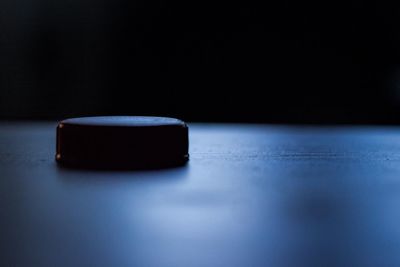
[{"x": 122, "y": 142}]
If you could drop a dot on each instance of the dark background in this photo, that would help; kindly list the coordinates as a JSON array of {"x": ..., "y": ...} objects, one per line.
[{"x": 279, "y": 61}]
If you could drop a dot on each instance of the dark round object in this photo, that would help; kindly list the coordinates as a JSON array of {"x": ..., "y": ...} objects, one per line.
[{"x": 122, "y": 142}]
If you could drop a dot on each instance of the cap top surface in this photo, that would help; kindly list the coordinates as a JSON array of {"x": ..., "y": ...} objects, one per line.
[{"x": 123, "y": 121}]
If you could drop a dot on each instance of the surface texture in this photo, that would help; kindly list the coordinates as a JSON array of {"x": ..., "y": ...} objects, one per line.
[{"x": 251, "y": 195}]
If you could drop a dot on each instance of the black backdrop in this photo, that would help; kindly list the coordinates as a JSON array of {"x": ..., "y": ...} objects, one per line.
[{"x": 280, "y": 61}]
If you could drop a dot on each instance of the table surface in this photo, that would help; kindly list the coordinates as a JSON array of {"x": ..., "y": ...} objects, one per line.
[{"x": 251, "y": 195}]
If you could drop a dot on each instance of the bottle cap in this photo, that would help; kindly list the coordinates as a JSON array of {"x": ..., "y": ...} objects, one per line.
[{"x": 122, "y": 142}]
